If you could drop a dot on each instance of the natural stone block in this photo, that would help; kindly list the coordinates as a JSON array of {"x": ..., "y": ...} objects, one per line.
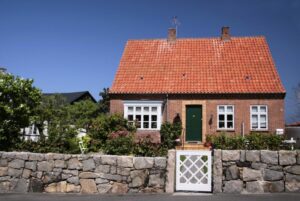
[
  {"x": 17, "y": 164},
  {"x": 251, "y": 175},
  {"x": 287, "y": 157},
  {"x": 108, "y": 160},
  {"x": 160, "y": 162},
  {"x": 46, "y": 166},
  {"x": 73, "y": 180},
  {"x": 4, "y": 178},
  {"x": 292, "y": 177},
  {"x": 292, "y": 183},
  {"x": 3, "y": 162},
  {"x": 88, "y": 165},
  {"x": 71, "y": 188},
  {"x": 119, "y": 188},
  {"x": 36, "y": 157},
  {"x": 234, "y": 186},
  {"x": 101, "y": 181},
  {"x": 50, "y": 177},
  {"x": 156, "y": 180},
  {"x": 21, "y": 186},
  {"x": 104, "y": 188},
  {"x": 138, "y": 177},
  {"x": 15, "y": 172},
  {"x": 31, "y": 165},
  {"x": 112, "y": 177},
  {"x": 51, "y": 188},
  {"x": 275, "y": 167},
  {"x": 103, "y": 169},
  {"x": 253, "y": 155},
  {"x": 269, "y": 157},
  {"x": 217, "y": 171},
  {"x": 273, "y": 187},
  {"x": 58, "y": 156},
  {"x": 113, "y": 169},
  {"x": 88, "y": 186},
  {"x": 26, "y": 173},
  {"x": 9, "y": 155},
  {"x": 258, "y": 166},
  {"x": 231, "y": 155},
  {"x": 22, "y": 155},
  {"x": 143, "y": 162},
  {"x": 125, "y": 161},
  {"x": 3, "y": 171},
  {"x": 298, "y": 157},
  {"x": 74, "y": 163},
  {"x": 36, "y": 185},
  {"x": 60, "y": 164},
  {"x": 254, "y": 187},
  {"x": 232, "y": 172},
  {"x": 123, "y": 171},
  {"x": 243, "y": 156},
  {"x": 293, "y": 169},
  {"x": 88, "y": 175},
  {"x": 272, "y": 175},
  {"x": 71, "y": 172},
  {"x": 4, "y": 187}
]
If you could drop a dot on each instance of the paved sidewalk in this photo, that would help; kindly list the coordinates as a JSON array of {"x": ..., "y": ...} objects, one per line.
[{"x": 149, "y": 197}]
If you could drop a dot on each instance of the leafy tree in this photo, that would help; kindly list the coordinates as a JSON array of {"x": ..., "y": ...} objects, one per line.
[
  {"x": 104, "y": 103},
  {"x": 18, "y": 100}
]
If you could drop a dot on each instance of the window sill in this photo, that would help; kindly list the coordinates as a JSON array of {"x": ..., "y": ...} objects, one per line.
[
  {"x": 259, "y": 130},
  {"x": 142, "y": 129},
  {"x": 225, "y": 129}
]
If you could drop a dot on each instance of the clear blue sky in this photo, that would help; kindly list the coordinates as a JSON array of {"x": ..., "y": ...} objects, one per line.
[{"x": 74, "y": 45}]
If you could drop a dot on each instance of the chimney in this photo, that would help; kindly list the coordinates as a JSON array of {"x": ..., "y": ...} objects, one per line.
[
  {"x": 225, "y": 34},
  {"x": 172, "y": 35}
]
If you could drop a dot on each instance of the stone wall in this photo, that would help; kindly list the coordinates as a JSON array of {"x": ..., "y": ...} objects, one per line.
[
  {"x": 23, "y": 172},
  {"x": 255, "y": 171}
]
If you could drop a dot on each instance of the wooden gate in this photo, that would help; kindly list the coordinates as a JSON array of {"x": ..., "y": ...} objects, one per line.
[{"x": 193, "y": 170}]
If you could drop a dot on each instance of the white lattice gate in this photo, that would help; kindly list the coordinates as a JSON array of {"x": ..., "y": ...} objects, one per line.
[{"x": 193, "y": 170}]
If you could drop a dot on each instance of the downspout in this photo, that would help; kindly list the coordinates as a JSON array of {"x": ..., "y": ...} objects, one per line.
[{"x": 167, "y": 116}]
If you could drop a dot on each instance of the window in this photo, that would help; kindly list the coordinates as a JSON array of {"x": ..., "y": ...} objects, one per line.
[
  {"x": 145, "y": 115},
  {"x": 226, "y": 117},
  {"x": 259, "y": 117}
]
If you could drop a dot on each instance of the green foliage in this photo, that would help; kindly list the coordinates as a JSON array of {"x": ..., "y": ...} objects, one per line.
[
  {"x": 119, "y": 143},
  {"x": 18, "y": 100},
  {"x": 169, "y": 133},
  {"x": 104, "y": 103},
  {"x": 253, "y": 141},
  {"x": 145, "y": 147}
]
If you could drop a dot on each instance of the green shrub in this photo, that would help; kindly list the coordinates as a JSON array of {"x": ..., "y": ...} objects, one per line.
[
  {"x": 145, "y": 147},
  {"x": 253, "y": 141},
  {"x": 119, "y": 143},
  {"x": 169, "y": 133}
]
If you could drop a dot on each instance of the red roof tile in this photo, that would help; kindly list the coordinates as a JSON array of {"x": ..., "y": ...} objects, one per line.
[{"x": 240, "y": 65}]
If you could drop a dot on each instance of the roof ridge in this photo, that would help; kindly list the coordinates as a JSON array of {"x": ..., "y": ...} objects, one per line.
[{"x": 190, "y": 38}]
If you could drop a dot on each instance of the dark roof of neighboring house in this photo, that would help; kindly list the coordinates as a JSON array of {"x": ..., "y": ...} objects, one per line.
[
  {"x": 241, "y": 65},
  {"x": 72, "y": 97},
  {"x": 295, "y": 124}
]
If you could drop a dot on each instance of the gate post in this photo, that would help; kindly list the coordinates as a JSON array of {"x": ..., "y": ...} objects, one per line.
[
  {"x": 170, "y": 180},
  {"x": 217, "y": 171}
]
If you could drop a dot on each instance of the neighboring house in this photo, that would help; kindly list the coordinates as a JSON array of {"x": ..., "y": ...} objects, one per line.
[
  {"x": 222, "y": 84},
  {"x": 33, "y": 133},
  {"x": 73, "y": 97}
]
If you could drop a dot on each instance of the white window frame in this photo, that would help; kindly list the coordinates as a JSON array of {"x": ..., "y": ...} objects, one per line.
[
  {"x": 259, "y": 113},
  {"x": 225, "y": 113},
  {"x": 142, "y": 104}
]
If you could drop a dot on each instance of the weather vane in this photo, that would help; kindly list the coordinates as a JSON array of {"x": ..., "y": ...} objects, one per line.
[{"x": 176, "y": 23}]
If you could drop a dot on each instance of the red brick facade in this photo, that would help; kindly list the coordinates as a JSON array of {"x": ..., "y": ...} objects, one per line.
[{"x": 174, "y": 104}]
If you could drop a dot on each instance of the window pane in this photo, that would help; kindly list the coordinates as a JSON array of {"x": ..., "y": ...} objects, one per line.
[
  {"x": 221, "y": 109},
  {"x": 138, "y": 109},
  {"x": 229, "y": 109},
  {"x": 130, "y": 118},
  {"x": 263, "y": 109},
  {"x": 263, "y": 125},
  {"x": 254, "y": 109},
  {"x": 229, "y": 117},
  {"x": 130, "y": 109},
  {"x": 221, "y": 117},
  {"x": 146, "y": 117},
  {"x": 146, "y": 109},
  {"x": 146, "y": 124},
  {"x": 229, "y": 124},
  {"x": 138, "y": 121},
  {"x": 138, "y": 117},
  {"x": 154, "y": 109},
  {"x": 153, "y": 125},
  {"x": 153, "y": 117},
  {"x": 221, "y": 124},
  {"x": 254, "y": 125},
  {"x": 263, "y": 118},
  {"x": 254, "y": 118}
]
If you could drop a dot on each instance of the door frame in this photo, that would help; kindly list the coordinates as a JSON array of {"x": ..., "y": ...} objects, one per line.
[{"x": 183, "y": 112}]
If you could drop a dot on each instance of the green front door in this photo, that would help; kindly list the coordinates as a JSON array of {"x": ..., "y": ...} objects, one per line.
[{"x": 193, "y": 123}]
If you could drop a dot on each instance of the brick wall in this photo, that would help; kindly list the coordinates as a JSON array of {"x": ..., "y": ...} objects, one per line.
[{"x": 241, "y": 110}]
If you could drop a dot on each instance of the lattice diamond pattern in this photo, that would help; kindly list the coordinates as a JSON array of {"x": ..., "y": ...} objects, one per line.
[{"x": 193, "y": 169}]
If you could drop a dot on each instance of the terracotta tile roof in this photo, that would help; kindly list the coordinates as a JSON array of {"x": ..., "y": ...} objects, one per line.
[{"x": 240, "y": 65}]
